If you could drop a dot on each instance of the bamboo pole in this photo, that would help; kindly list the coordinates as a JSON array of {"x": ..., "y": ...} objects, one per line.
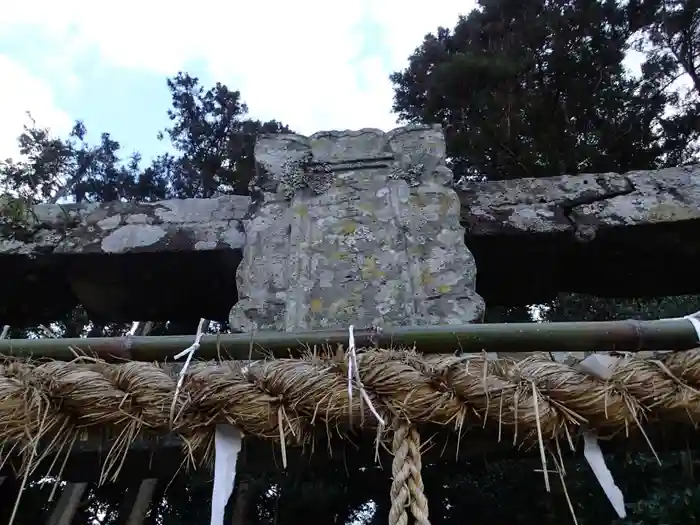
[{"x": 667, "y": 334}]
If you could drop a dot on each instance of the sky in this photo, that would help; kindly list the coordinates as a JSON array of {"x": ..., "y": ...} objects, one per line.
[{"x": 312, "y": 64}]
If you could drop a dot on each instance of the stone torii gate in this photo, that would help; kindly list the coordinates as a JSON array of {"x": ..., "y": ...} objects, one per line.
[
  {"x": 605, "y": 234},
  {"x": 341, "y": 228}
]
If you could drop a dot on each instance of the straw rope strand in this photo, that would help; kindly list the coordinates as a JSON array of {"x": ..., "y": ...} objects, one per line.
[
  {"x": 533, "y": 396},
  {"x": 407, "y": 481}
]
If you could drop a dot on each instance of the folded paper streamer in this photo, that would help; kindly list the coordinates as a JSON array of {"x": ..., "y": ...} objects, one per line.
[
  {"x": 601, "y": 365},
  {"x": 227, "y": 445}
]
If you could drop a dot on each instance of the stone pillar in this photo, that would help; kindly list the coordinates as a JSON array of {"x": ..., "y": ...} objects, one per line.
[{"x": 354, "y": 227}]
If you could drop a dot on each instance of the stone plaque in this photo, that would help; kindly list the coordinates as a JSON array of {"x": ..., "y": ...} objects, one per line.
[{"x": 354, "y": 227}]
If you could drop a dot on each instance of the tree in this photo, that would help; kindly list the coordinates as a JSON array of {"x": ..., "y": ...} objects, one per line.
[
  {"x": 667, "y": 32},
  {"x": 535, "y": 88},
  {"x": 52, "y": 168},
  {"x": 581, "y": 307},
  {"x": 669, "y": 35},
  {"x": 214, "y": 141}
]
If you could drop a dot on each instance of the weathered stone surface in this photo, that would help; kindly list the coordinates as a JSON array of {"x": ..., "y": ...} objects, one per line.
[
  {"x": 608, "y": 234},
  {"x": 631, "y": 234},
  {"x": 355, "y": 227},
  {"x": 117, "y": 227},
  {"x": 582, "y": 204},
  {"x": 120, "y": 260}
]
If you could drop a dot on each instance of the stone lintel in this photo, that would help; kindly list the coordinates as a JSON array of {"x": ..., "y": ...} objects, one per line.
[
  {"x": 630, "y": 234},
  {"x": 121, "y": 260},
  {"x": 608, "y": 234},
  {"x": 133, "y": 227}
]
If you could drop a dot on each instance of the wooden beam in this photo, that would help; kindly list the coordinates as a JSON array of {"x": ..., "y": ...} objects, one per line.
[
  {"x": 138, "y": 503},
  {"x": 10, "y": 491},
  {"x": 67, "y": 504},
  {"x": 241, "y": 502}
]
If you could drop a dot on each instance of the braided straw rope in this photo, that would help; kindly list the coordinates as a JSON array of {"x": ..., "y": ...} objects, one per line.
[
  {"x": 283, "y": 399},
  {"x": 407, "y": 482}
]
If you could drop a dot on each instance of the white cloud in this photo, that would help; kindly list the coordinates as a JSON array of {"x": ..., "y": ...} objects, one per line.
[
  {"x": 21, "y": 92},
  {"x": 294, "y": 61}
]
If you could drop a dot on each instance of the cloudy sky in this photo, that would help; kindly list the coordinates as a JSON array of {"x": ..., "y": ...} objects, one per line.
[{"x": 312, "y": 64}]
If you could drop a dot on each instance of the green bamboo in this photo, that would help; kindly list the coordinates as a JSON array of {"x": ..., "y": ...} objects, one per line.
[{"x": 672, "y": 334}]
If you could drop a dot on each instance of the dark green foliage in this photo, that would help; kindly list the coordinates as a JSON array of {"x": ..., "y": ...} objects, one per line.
[
  {"x": 580, "y": 307},
  {"x": 670, "y": 38},
  {"x": 537, "y": 88},
  {"x": 479, "y": 492},
  {"x": 668, "y": 34}
]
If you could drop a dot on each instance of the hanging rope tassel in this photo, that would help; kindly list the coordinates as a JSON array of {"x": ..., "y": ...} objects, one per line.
[{"x": 407, "y": 482}]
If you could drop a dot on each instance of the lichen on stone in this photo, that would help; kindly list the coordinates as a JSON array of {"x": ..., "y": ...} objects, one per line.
[
  {"x": 356, "y": 253},
  {"x": 410, "y": 173},
  {"x": 293, "y": 176},
  {"x": 300, "y": 173},
  {"x": 319, "y": 178}
]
